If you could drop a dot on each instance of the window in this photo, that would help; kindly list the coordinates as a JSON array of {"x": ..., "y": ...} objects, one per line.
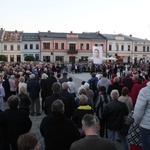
[
  {"x": 31, "y": 46},
  {"x": 18, "y": 47},
  {"x": 87, "y": 46},
  {"x": 96, "y": 44},
  {"x": 11, "y": 47},
  {"x": 143, "y": 48},
  {"x": 56, "y": 45},
  {"x": 46, "y": 45},
  {"x": 128, "y": 47},
  {"x": 37, "y": 46},
  {"x": 122, "y": 47},
  {"x": 72, "y": 46},
  {"x": 147, "y": 48},
  {"x": 25, "y": 46},
  {"x": 62, "y": 46},
  {"x": 5, "y": 47},
  {"x": 110, "y": 47},
  {"x": 135, "y": 48},
  {"x": 81, "y": 46}
]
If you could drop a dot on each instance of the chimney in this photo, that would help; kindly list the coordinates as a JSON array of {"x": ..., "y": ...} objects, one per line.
[
  {"x": 1, "y": 29},
  {"x": 98, "y": 32},
  {"x": 49, "y": 31},
  {"x": 130, "y": 35},
  {"x": 15, "y": 31},
  {"x": 71, "y": 32}
]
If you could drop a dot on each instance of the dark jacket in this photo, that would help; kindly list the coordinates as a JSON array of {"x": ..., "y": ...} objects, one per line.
[
  {"x": 58, "y": 132},
  {"x": 33, "y": 88},
  {"x": 114, "y": 114},
  {"x": 114, "y": 86},
  {"x": 43, "y": 85},
  {"x": 50, "y": 82},
  {"x": 63, "y": 79},
  {"x": 50, "y": 99},
  {"x": 24, "y": 102},
  {"x": 69, "y": 103},
  {"x": 128, "y": 82},
  {"x": 2, "y": 127},
  {"x": 79, "y": 113},
  {"x": 17, "y": 123},
  {"x": 93, "y": 142}
]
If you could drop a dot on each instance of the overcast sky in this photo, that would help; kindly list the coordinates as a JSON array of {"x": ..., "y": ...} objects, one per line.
[{"x": 107, "y": 16}]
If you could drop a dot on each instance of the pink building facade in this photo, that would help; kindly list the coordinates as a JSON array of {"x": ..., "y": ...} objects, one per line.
[{"x": 69, "y": 47}]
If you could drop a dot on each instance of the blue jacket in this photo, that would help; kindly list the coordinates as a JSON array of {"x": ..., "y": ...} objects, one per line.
[{"x": 33, "y": 88}]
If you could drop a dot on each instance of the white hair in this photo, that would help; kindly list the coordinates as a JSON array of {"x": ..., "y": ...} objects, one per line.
[
  {"x": 114, "y": 94},
  {"x": 86, "y": 85}
]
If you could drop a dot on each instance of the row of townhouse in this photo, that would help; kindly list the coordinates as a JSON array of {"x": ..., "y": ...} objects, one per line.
[{"x": 71, "y": 47}]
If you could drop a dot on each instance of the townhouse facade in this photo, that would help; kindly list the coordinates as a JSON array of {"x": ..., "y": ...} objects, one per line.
[
  {"x": 127, "y": 48},
  {"x": 69, "y": 47},
  {"x": 11, "y": 45},
  {"x": 31, "y": 46},
  {"x": 72, "y": 47}
]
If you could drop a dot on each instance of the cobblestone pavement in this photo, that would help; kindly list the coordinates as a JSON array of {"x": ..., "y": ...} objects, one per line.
[{"x": 36, "y": 120}]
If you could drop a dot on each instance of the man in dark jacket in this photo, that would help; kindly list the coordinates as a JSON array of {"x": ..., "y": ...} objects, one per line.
[
  {"x": 92, "y": 141},
  {"x": 69, "y": 102},
  {"x": 116, "y": 86},
  {"x": 127, "y": 81},
  {"x": 64, "y": 78},
  {"x": 50, "y": 82},
  {"x": 56, "y": 88},
  {"x": 58, "y": 131},
  {"x": 114, "y": 113},
  {"x": 17, "y": 121},
  {"x": 33, "y": 88}
]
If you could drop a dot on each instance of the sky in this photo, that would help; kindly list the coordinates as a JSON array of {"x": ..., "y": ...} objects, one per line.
[{"x": 128, "y": 17}]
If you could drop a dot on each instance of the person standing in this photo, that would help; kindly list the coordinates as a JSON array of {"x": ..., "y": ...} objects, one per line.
[
  {"x": 2, "y": 94},
  {"x": 102, "y": 99},
  {"x": 33, "y": 88},
  {"x": 141, "y": 115},
  {"x": 17, "y": 121},
  {"x": 92, "y": 141},
  {"x": 43, "y": 85},
  {"x": 114, "y": 113},
  {"x": 24, "y": 100},
  {"x": 58, "y": 131},
  {"x": 50, "y": 82}
]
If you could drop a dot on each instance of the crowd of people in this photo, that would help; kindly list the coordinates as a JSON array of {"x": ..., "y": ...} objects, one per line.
[{"x": 76, "y": 118}]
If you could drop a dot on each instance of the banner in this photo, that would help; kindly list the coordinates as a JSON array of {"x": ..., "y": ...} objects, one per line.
[{"x": 97, "y": 55}]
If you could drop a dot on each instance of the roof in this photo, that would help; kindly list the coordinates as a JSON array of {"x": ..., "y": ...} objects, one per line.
[
  {"x": 30, "y": 37},
  {"x": 126, "y": 38},
  {"x": 12, "y": 36},
  {"x": 90, "y": 35},
  {"x": 84, "y": 35},
  {"x": 52, "y": 35}
]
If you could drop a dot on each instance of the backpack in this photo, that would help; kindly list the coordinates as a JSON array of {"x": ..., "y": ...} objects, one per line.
[
  {"x": 102, "y": 100},
  {"x": 93, "y": 85}
]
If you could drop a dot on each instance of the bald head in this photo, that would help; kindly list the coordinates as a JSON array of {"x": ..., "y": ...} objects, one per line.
[{"x": 65, "y": 86}]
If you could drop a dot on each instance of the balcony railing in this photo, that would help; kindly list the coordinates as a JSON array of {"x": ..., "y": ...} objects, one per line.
[{"x": 72, "y": 51}]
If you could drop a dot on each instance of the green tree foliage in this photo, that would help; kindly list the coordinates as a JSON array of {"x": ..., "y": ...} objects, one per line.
[
  {"x": 3, "y": 58},
  {"x": 29, "y": 58}
]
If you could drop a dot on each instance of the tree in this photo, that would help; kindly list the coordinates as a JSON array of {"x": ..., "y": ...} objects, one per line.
[
  {"x": 29, "y": 58},
  {"x": 3, "y": 58}
]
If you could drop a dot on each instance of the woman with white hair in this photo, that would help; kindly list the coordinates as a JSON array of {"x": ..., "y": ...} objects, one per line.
[
  {"x": 89, "y": 92},
  {"x": 43, "y": 84},
  {"x": 13, "y": 86},
  {"x": 22, "y": 83}
]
